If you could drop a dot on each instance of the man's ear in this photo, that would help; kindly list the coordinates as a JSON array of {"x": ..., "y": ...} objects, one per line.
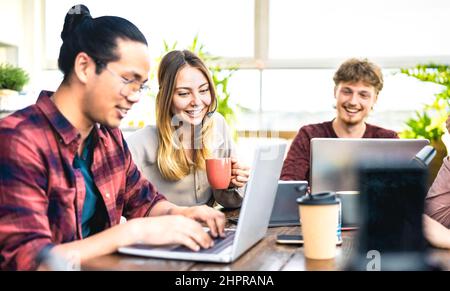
[
  {"x": 83, "y": 67},
  {"x": 374, "y": 101}
]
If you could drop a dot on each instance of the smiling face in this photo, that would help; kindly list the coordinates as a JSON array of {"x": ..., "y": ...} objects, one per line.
[
  {"x": 354, "y": 101},
  {"x": 192, "y": 95},
  {"x": 108, "y": 98}
]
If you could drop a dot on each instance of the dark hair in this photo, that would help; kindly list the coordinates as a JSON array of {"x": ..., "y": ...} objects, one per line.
[
  {"x": 360, "y": 70},
  {"x": 97, "y": 37}
]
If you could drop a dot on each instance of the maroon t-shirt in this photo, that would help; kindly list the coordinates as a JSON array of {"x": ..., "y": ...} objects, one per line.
[{"x": 297, "y": 164}]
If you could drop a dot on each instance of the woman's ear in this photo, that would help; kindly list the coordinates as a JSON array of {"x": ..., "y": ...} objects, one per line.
[{"x": 83, "y": 66}]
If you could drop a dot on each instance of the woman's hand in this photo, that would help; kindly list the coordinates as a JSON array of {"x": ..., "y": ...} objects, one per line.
[{"x": 239, "y": 174}]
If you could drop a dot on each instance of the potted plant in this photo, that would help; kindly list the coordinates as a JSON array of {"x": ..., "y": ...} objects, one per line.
[
  {"x": 12, "y": 81},
  {"x": 429, "y": 123}
]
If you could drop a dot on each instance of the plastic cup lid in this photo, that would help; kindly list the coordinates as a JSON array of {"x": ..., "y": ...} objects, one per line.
[{"x": 324, "y": 198}]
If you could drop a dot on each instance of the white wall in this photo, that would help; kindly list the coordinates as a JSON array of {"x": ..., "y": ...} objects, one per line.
[
  {"x": 11, "y": 22},
  {"x": 11, "y": 30},
  {"x": 31, "y": 46},
  {"x": 21, "y": 35}
]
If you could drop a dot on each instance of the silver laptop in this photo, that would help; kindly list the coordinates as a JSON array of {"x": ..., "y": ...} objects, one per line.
[
  {"x": 285, "y": 209},
  {"x": 334, "y": 160},
  {"x": 254, "y": 215}
]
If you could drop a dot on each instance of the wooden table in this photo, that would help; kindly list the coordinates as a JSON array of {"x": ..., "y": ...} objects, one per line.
[{"x": 266, "y": 255}]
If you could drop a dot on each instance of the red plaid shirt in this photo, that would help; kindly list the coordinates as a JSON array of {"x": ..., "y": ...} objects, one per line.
[{"x": 42, "y": 195}]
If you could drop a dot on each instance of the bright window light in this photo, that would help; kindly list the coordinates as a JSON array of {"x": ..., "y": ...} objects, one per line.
[
  {"x": 352, "y": 28},
  {"x": 225, "y": 28}
]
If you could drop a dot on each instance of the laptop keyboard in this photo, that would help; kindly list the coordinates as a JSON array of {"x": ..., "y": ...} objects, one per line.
[{"x": 220, "y": 243}]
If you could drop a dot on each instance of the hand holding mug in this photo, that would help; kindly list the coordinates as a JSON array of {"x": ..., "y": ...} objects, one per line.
[{"x": 239, "y": 174}]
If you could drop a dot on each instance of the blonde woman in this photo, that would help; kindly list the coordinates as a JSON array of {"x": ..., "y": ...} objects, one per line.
[{"x": 188, "y": 130}]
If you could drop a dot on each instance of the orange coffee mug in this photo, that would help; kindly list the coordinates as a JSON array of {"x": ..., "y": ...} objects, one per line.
[{"x": 218, "y": 171}]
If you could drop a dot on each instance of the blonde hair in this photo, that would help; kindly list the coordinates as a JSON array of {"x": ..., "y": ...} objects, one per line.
[{"x": 172, "y": 161}]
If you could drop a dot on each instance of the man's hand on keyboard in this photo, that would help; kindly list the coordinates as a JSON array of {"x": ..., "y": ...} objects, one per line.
[{"x": 214, "y": 219}]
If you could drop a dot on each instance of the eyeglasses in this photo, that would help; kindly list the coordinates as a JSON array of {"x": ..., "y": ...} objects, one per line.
[{"x": 131, "y": 88}]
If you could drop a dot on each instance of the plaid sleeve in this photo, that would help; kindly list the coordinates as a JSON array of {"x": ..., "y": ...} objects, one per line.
[
  {"x": 140, "y": 194},
  {"x": 24, "y": 225}
]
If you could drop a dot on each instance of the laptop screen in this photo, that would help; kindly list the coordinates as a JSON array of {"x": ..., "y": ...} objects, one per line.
[
  {"x": 392, "y": 203},
  {"x": 334, "y": 160}
]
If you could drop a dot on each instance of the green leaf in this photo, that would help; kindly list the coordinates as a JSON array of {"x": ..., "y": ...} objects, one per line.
[
  {"x": 13, "y": 78},
  {"x": 429, "y": 122}
]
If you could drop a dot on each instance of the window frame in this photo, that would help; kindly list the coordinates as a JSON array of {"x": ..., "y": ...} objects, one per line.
[{"x": 260, "y": 60}]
